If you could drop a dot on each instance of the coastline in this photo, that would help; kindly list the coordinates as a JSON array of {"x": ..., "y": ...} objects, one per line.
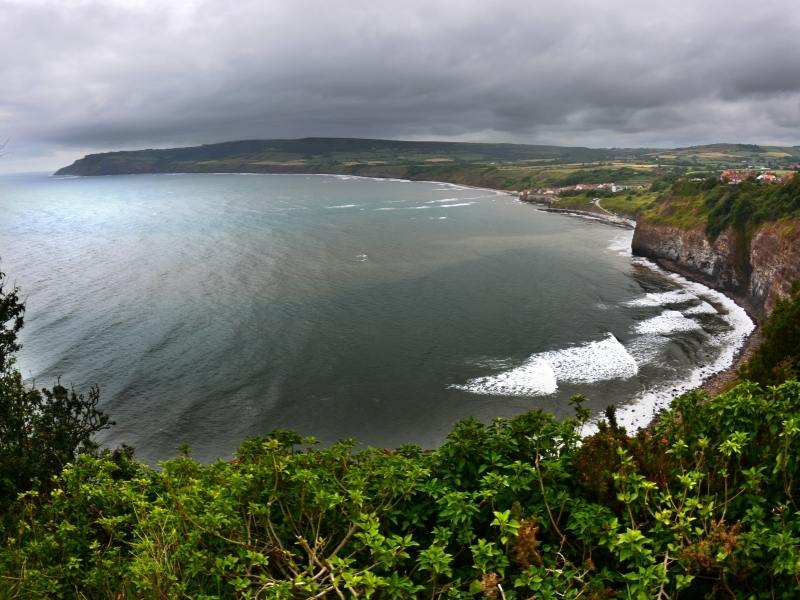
[
  {"x": 605, "y": 217},
  {"x": 726, "y": 378},
  {"x": 741, "y": 350},
  {"x": 643, "y": 411}
]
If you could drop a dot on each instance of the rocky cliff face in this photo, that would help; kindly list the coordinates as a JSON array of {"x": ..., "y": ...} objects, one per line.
[
  {"x": 774, "y": 261},
  {"x": 758, "y": 268}
]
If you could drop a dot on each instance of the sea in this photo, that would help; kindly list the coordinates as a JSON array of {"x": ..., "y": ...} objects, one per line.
[{"x": 210, "y": 308}]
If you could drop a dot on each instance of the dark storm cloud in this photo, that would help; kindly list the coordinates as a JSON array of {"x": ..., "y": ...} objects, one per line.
[{"x": 616, "y": 73}]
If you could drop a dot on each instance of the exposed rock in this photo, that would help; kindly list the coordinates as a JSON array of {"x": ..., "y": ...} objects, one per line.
[
  {"x": 757, "y": 268},
  {"x": 775, "y": 261}
]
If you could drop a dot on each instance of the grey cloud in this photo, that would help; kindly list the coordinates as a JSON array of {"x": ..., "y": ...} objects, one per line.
[{"x": 114, "y": 74}]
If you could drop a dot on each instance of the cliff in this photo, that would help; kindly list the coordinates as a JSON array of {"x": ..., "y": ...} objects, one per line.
[{"x": 756, "y": 266}]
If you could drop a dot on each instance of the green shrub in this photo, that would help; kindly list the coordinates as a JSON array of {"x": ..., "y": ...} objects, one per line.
[
  {"x": 40, "y": 430},
  {"x": 701, "y": 504},
  {"x": 778, "y": 357}
]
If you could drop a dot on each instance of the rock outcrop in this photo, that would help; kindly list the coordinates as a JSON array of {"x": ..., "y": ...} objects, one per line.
[
  {"x": 756, "y": 268},
  {"x": 774, "y": 261}
]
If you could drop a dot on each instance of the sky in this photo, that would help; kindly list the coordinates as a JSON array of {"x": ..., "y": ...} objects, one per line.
[{"x": 92, "y": 76}]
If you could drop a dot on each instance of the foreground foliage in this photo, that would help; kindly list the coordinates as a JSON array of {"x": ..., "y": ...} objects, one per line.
[
  {"x": 704, "y": 503},
  {"x": 778, "y": 357},
  {"x": 40, "y": 430}
]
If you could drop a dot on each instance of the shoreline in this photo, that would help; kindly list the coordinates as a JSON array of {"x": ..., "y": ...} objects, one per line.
[
  {"x": 725, "y": 379},
  {"x": 643, "y": 411},
  {"x": 605, "y": 217}
]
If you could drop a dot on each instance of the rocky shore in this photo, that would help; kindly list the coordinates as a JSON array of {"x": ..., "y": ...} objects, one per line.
[
  {"x": 752, "y": 272},
  {"x": 599, "y": 214}
]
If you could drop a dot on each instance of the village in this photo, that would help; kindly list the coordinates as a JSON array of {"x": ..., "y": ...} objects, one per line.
[
  {"x": 735, "y": 177},
  {"x": 580, "y": 187},
  {"x": 730, "y": 176}
]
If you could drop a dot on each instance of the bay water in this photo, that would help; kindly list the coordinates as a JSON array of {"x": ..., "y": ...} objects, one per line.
[{"x": 212, "y": 308}]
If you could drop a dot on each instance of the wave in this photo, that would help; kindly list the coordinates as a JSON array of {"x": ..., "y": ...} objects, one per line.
[
  {"x": 648, "y": 348},
  {"x": 704, "y": 308},
  {"x": 343, "y": 206},
  {"x": 662, "y": 298},
  {"x": 534, "y": 378},
  {"x": 621, "y": 244},
  {"x": 449, "y": 200},
  {"x": 540, "y": 374},
  {"x": 458, "y": 204},
  {"x": 403, "y": 208},
  {"x": 641, "y": 411},
  {"x": 669, "y": 321}
]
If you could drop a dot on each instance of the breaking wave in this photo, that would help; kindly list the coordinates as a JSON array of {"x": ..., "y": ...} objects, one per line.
[
  {"x": 541, "y": 373},
  {"x": 669, "y": 321}
]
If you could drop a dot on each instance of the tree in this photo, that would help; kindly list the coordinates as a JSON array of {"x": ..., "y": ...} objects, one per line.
[
  {"x": 11, "y": 314},
  {"x": 40, "y": 430},
  {"x": 778, "y": 357}
]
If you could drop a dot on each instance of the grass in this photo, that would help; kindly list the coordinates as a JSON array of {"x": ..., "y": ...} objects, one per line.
[
  {"x": 685, "y": 212},
  {"x": 631, "y": 204}
]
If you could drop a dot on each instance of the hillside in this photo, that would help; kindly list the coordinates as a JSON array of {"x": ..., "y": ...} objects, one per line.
[
  {"x": 722, "y": 156},
  {"x": 319, "y": 154},
  {"x": 501, "y": 166}
]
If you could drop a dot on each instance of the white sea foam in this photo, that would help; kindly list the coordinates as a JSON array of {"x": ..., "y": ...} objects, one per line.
[
  {"x": 641, "y": 411},
  {"x": 593, "y": 361},
  {"x": 403, "y": 208},
  {"x": 704, "y": 308},
  {"x": 343, "y": 206},
  {"x": 227, "y": 174},
  {"x": 662, "y": 298},
  {"x": 451, "y": 186},
  {"x": 669, "y": 321},
  {"x": 540, "y": 374},
  {"x": 647, "y": 348},
  {"x": 449, "y": 200},
  {"x": 458, "y": 204},
  {"x": 534, "y": 378},
  {"x": 621, "y": 244}
]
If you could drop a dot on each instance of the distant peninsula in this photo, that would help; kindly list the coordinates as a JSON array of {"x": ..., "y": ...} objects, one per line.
[{"x": 500, "y": 166}]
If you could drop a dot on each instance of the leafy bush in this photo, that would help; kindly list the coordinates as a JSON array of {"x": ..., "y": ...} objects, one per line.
[
  {"x": 703, "y": 503},
  {"x": 750, "y": 203},
  {"x": 40, "y": 430},
  {"x": 778, "y": 357},
  {"x": 718, "y": 206}
]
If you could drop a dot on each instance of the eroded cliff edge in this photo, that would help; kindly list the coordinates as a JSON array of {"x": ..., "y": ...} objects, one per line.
[{"x": 755, "y": 267}]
